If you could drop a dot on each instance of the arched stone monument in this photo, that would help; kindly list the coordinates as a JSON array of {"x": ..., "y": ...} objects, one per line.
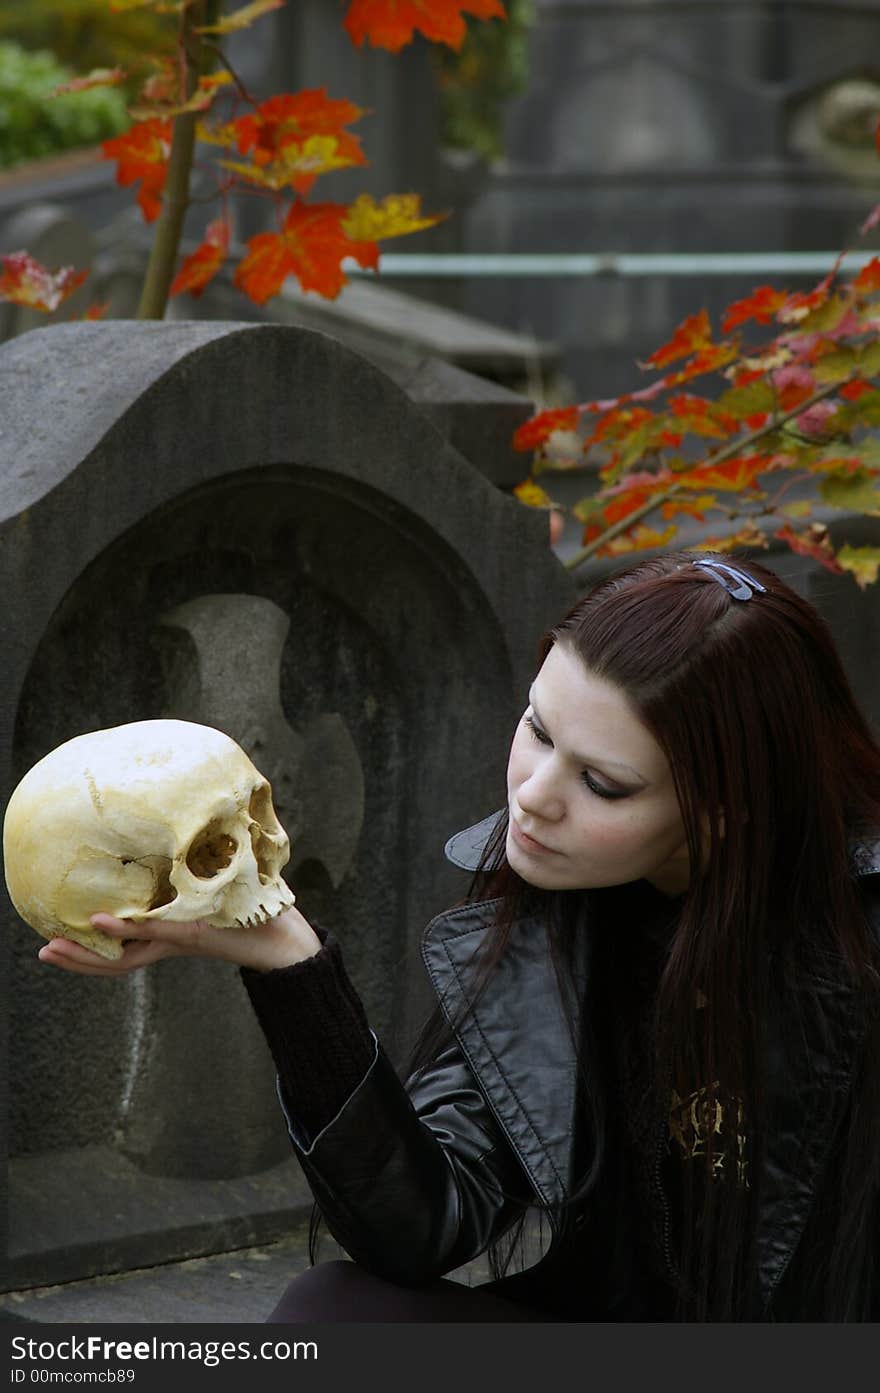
[{"x": 253, "y": 527}]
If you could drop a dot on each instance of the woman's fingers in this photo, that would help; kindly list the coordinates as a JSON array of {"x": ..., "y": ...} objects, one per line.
[
  {"x": 177, "y": 937},
  {"x": 73, "y": 957}
]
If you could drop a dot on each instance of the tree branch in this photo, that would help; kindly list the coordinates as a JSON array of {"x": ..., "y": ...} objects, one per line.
[{"x": 728, "y": 451}]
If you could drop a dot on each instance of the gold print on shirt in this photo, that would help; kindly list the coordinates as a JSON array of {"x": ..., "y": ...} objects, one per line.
[{"x": 700, "y": 1115}]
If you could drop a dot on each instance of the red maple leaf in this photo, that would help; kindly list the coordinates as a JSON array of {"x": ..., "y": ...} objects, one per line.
[
  {"x": 851, "y": 391},
  {"x": 814, "y": 542},
  {"x": 392, "y": 23},
  {"x": 203, "y": 264},
  {"x": 23, "y": 281},
  {"x": 695, "y": 333},
  {"x": 311, "y": 246},
  {"x": 761, "y": 306},
  {"x": 729, "y": 476},
  {"x": 142, "y": 153},
  {"x": 292, "y": 117},
  {"x": 709, "y": 358},
  {"x": 800, "y": 304},
  {"x": 868, "y": 279},
  {"x": 537, "y": 431}
]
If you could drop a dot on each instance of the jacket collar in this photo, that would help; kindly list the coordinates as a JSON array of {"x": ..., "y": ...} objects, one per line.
[{"x": 530, "y": 1082}]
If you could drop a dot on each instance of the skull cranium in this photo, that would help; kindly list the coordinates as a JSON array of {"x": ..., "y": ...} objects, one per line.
[{"x": 159, "y": 819}]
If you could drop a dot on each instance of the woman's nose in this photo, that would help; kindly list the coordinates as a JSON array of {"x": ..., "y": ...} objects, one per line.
[{"x": 539, "y": 794}]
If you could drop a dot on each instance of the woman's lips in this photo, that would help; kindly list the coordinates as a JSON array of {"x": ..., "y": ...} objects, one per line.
[{"x": 528, "y": 843}]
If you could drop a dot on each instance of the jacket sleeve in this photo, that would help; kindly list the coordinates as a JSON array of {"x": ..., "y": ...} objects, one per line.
[
  {"x": 412, "y": 1179},
  {"x": 415, "y": 1179}
]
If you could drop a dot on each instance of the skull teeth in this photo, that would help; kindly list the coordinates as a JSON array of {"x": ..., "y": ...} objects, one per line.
[{"x": 260, "y": 915}]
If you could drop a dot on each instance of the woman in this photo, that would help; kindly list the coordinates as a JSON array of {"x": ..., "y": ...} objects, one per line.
[{"x": 657, "y": 1021}]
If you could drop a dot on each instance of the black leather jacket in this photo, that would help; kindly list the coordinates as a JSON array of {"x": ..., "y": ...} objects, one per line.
[{"x": 415, "y": 1181}]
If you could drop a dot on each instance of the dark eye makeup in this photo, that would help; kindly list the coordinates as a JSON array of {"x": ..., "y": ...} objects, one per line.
[{"x": 599, "y": 789}]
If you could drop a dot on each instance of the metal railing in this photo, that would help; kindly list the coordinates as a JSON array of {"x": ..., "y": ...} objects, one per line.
[{"x": 544, "y": 264}]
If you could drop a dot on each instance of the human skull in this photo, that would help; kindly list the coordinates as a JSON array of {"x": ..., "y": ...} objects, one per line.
[{"x": 151, "y": 820}]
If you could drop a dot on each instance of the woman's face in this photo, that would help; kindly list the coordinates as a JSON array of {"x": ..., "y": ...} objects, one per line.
[{"x": 589, "y": 790}]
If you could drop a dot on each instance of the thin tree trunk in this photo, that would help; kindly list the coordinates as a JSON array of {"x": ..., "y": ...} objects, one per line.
[{"x": 175, "y": 198}]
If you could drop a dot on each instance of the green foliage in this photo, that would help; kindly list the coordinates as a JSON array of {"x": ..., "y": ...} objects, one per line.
[
  {"x": 87, "y": 34},
  {"x": 475, "y": 83},
  {"x": 34, "y": 124}
]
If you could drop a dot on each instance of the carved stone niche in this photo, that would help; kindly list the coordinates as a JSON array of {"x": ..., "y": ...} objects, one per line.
[{"x": 251, "y": 527}]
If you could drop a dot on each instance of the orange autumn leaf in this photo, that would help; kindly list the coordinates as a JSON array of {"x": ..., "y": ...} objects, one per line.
[
  {"x": 241, "y": 19},
  {"x": 97, "y": 309},
  {"x": 311, "y": 247},
  {"x": 203, "y": 264},
  {"x": 397, "y": 215},
  {"x": 729, "y": 476},
  {"x": 639, "y": 538},
  {"x": 707, "y": 359},
  {"x": 814, "y": 541},
  {"x": 293, "y": 116},
  {"x": 748, "y": 536},
  {"x": 142, "y": 153},
  {"x": 693, "y": 334},
  {"x": 760, "y": 306},
  {"x": 296, "y": 136},
  {"x": 851, "y": 391},
  {"x": 532, "y": 434},
  {"x": 297, "y": 165},
  {"x": 391, "y": 24},
  {"x": 868, "y": 279},
  {"x": 23, "y": 281},
  {"x": 801, "y": 304},
  {"x": 692, "y": 507},
  {"x": 625, "y": 504},
  {"x": 697, "y": 416}
]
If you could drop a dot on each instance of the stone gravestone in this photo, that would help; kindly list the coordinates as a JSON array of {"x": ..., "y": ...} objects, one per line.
[
  {"x": 652, "y": 126},
  {"x": 252, "y": 527}
]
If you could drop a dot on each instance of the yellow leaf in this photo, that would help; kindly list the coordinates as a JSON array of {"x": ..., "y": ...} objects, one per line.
[
  {"x": 532, "y": 494},
  {"x": 240, "y": 19},
  {"x": 863, "y": 564},
  {"x": 295, "y": 162},
  {"x": 858, "y": 493},
  {"x": 638, "y": 538},
  {"x": 395, "y": 216},
  {"x": 797, "y": 510},
  {"x": 224, "y": 134},
  {"x": 748, "y": 536},
  {"x": 837, "y": 366}
]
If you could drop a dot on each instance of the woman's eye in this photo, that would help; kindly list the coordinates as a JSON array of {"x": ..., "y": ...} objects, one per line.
[
  {"x": 537, "y": 732},
  {"x": 599, "y": 790},
  {"x": 588, "y": 779}
]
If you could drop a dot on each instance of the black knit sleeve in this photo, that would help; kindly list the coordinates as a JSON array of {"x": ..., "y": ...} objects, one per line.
[{"x": 317, "y": 1030}]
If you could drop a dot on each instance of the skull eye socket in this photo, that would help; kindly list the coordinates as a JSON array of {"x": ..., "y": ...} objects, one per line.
[
  {"x": 261, "y": 810},
  {"x": 211, "y": 852}
]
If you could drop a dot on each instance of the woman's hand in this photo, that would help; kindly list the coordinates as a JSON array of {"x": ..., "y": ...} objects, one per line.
[{"x": 280, "y": 942}]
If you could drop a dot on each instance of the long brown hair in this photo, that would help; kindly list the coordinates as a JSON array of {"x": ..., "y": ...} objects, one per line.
[{"x": 776, "y": 771}]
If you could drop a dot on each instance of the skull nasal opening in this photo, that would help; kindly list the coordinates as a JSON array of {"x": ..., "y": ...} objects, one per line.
[{"x": 211, "y": 852}]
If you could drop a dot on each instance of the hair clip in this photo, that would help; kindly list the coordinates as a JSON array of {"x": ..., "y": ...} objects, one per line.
[{"x": 737, "y": 583}]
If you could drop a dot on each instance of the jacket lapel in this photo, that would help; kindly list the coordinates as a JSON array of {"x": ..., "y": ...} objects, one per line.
[{"x": 528, "y": 1075}]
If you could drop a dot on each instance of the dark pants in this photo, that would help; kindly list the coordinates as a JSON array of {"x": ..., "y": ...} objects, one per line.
[{"x": 343, "y": 1291}]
